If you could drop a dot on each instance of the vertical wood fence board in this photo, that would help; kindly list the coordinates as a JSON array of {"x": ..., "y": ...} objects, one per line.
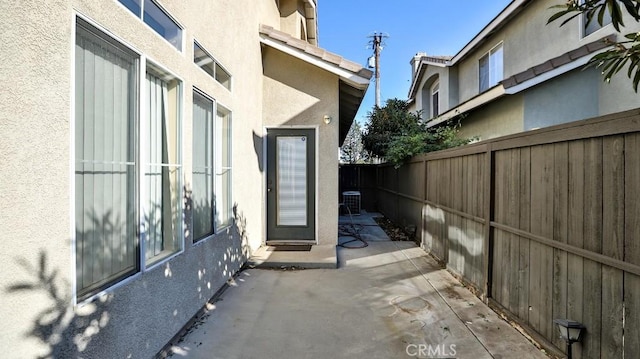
[
  {"x": 613, "y": 246},
  {"x": 487, "y": 211},
  {"x": 632, "y": 245},
  {"x": 546, "y": 230},
  {"x": 498, "y": 242},
  {"x": 455, "y": 245},
  {"x": 505, "y": 266},
  {"x": 575, "y": 292},
  {"x": 478, "y": 191},
  {"x": 513, "y": 220},
  {"x": 592, "y": 308},
  {"x": 525, "y": 244},
  {"x": 467, "y": 227},
  {"x": 538, "y": 197},
  {"x": 560, "y": 229}
]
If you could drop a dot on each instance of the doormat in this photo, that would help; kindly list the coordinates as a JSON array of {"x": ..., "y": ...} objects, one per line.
[{"x": 290, "y": 248}]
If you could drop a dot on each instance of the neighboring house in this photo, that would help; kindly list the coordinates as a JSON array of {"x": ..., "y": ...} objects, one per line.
[
  {"x": 519, "y": 74},
  {"x": 147, "y": 148}
]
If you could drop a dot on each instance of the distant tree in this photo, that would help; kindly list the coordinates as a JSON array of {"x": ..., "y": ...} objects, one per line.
[
  {"x": 396, "y": 134},
  {"x": 622, "y": 53},
  {"x": 352, "y": 150},
  {"x": 391, "y": 120}
]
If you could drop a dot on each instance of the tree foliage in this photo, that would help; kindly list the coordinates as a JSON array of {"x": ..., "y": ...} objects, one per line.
[
  {"x": 352, "y": 150},
  {"x": 396, "y": 134},
  {"x": 622, "y": 53}
]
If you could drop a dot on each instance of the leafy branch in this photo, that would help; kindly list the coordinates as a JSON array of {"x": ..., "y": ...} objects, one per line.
[{"x": 622, "y": 53}]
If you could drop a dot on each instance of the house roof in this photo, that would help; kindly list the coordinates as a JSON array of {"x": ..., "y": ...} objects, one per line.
[
  {"x": 441, "y": 61},
  {"x": 354, "y": 78},
  {"x": 494, "y": 25},
  {"x": 491, "y": 28},
  {"x": 558, "y": 62},
  {"x": 531, "y": 77},
  {"x": 516, "y": 83}
]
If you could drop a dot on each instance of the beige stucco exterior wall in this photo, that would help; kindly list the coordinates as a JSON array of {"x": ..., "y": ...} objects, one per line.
[
  {"x": 528, "y": 42},
  {"x": 139, "y": 315},
  {"x": 499, "y": 118},
  {"x": 292, "y": 17},
  {"x": 309, "y": 98},
  {"x": 35, "y": 157},
  {"x": 423, "y": 96}
]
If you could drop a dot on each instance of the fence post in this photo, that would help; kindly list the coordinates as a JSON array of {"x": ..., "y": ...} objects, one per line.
[{"x": 488, "y": 217}]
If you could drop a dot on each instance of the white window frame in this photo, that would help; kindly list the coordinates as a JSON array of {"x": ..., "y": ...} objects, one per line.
[
  {"x": 434, "y": 89},
  {"x": 493, "y": 78},
  {"x": 216, "y": 66},
  {"x": 583, "y": 22},
  {"x": 168, "y": 14},
  {"x": 144, "y": 151},
  {"x": 197, "y": 240},
  {"x": 140, "y": 148},
  {"x": 218, "y": 169}
]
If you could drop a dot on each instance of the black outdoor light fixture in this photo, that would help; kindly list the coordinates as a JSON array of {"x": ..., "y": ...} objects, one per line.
[{"x": 571, "y": 331}]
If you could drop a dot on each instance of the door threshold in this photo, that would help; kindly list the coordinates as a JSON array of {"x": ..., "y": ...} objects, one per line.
[{"x": 290, "y": 243}]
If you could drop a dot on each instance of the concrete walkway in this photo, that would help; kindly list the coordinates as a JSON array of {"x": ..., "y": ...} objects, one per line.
[{"x": 388, "y": 300}]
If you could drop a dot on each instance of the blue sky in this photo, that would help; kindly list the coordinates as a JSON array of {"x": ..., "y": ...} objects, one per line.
[{"x": 437, "y": 27}]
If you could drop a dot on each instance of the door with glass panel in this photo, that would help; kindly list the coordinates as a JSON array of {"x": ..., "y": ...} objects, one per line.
[{"x": 291, "y": 185}]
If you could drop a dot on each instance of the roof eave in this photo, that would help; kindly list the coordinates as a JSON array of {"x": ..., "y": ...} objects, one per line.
[{"x": 505, "y": 16}]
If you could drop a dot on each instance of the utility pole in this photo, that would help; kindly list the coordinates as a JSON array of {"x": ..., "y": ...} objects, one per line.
[{"x": 377, "y": 43}]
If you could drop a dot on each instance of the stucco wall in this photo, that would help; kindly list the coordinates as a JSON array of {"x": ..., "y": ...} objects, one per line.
[
  {"x": 292, "y": 17},
  {"x": 309, "y": 98},
  {"x": 528, "y": 41},
  {"x": 138, "y": 316},
  {"x": 499, "y": 118},
  {"x": 35, "y": 157},
  {"x": 571, "y": 97},
  {"x": 423, "y": 97}
]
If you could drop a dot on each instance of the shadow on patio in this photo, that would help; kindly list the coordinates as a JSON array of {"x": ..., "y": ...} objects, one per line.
[{"x": 387, "y": 300}]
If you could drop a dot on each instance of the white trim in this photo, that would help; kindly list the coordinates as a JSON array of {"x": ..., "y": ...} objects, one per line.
[
  {"x": 195, "y": 89},
  {"x": 171, "y": 17},
  {"x": 215, "y": 62},
  {"x": 142, "y": 142},
  {"x": 417, "y": 80},
  {"x": 551, "y": 74},
  {"x": 265, "y": 157},
  {"x": 496, "y": 22},
  {"x": 72, "y": 161},
  {"x": 348, "y": 76},
  {"x": 481, "y": 99},
  {"x": 144, "y": 149},
  {"x": 312, "y": 3},
  {"x": 121, "y": 42},
  {"x": 105, "y": 32},
  {"x": 489, "y": 62},
  {"x": 432, "y": 92},
  {"x": 582, "y": 30}
]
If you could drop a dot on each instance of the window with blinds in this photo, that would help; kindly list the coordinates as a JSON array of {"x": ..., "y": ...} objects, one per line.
[
  {"x": 162, "y": 216},
  {"x": 128, "y": 172},
  {"x": 202, "y": 177},
  {"x": 106, "y": 147}
]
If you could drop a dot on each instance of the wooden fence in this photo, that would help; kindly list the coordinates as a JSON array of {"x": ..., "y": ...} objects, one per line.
[{"x": 544, "y": 224}]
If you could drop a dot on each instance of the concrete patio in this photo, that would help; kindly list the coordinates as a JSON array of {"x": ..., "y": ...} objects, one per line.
[{"x": 387, "y": 300}]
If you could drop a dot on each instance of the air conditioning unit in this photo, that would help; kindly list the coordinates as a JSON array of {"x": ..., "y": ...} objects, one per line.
[{"x": 351, "y": 199}]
